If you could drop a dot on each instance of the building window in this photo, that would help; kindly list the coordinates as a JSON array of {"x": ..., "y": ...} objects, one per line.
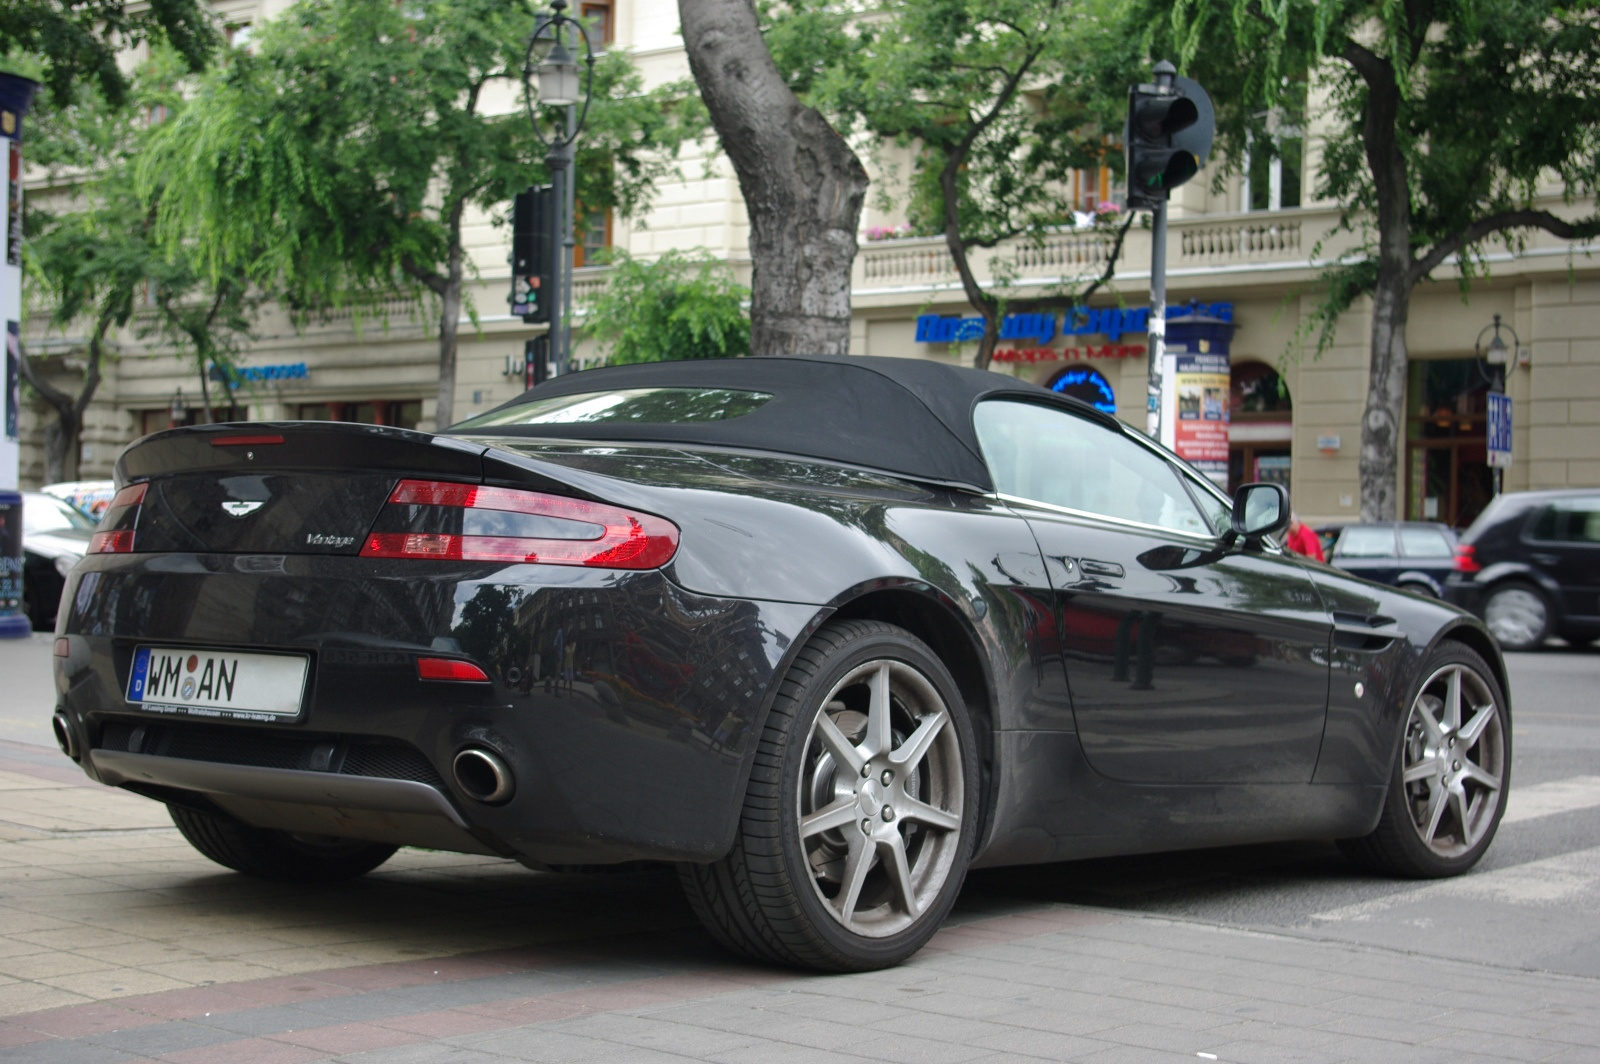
[
  {"x": 399, "y": 413},
  {"x": 594, "y": 237},
  {"x": 175, "y": 416},
  {"x": 239, "y": 35},
  {"x": 597, "y": 18},
  {"x": 1260, "y": 425},
  {"x": 1274, "y": 166},
  {"x": 1447, "y": 459}
]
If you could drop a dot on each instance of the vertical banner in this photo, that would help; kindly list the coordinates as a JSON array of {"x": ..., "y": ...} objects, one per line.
[
  {"x": 1195, "y": 392},
  {"x": 1499, "y": 430},
  {"x": 13, "y": 399}
]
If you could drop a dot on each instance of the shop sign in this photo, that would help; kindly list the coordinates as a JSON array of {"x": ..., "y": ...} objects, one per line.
[
  {"x": 1499, "y": 430},
  {"x": 1110, "y": 322},
  {"x": 236, "y": 375},
  {"x": 1068, "y": 354}
]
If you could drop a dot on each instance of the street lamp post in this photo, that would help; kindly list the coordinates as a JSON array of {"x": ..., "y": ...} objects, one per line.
[
  {"x": 554, "y": 42},
  {"x": 1495, "y": 353}
]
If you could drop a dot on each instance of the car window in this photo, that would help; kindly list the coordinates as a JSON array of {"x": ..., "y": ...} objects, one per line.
[
  {"x": 1425, "y": 543},
  {"x": 41, "y": 513},
  {"x": 1218, "y": 510},
  {"x": 1051, "y": 456},
  {"x": 1570, "y": 521},
  {"x": 1366, "y": 541}
]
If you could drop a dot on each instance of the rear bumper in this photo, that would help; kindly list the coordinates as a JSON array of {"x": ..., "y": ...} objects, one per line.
[{"x": 626, "y": 708}]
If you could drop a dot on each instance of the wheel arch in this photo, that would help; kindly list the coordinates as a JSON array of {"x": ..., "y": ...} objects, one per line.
[{"x": 1478, "y": 639}]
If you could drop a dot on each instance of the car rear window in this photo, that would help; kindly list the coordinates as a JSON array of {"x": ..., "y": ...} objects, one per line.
[
  {"x": 655, "y": 406},
  {"x": 1425, "y": 543},
  {"x": 1366, "y": 541},
  {"x": 1570, "y": 521}
]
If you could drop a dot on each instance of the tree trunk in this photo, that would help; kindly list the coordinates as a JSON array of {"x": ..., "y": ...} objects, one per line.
[
  {"x": 62, "y": 437},
  {"x": 803, "y": 186},
  {"x": 449, "y": 327},
  {"x": 1383, "y": 420}
]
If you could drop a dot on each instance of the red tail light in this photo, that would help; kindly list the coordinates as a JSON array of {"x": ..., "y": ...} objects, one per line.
[
  {"x": 117, "y": 523},
  {"x": 120, "y": 542},
  {"x": 450, "y": 669},
  {"x": 245, "y": 441},
  {"x": 1465, "y": 562},
  {"x": 624, "y": 539}
]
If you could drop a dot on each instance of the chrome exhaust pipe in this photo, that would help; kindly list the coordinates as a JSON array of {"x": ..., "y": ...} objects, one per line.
[
  {"x": 483, "y": 776},
  {"x": 63, "y": 730}
]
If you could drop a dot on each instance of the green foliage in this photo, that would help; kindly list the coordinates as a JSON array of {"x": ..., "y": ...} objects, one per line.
[
  {"x": 1000, "y": 101},
  {"x": 1444, "y": 120},
  {"x": 333, "y": 164},
  {"x": 65, "y": 42},
  {"x": 679, "y": 306}
]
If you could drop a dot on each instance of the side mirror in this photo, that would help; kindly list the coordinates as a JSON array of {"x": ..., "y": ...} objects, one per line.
[{"x": 1260, "y": 510}]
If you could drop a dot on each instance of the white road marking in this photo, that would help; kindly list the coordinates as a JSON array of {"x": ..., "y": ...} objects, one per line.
[
  {"x": 1548, "y": 799},
  {"x": 1555, "y": 880}
]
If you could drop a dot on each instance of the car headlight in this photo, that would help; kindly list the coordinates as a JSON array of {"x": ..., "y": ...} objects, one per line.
[{"x": 64, "y": 564}]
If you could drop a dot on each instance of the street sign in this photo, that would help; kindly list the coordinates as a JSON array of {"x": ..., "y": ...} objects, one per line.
[{"x": 1499, "y": 430}]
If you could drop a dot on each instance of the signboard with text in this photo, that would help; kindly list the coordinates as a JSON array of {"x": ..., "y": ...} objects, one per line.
[{"x": 1499, "y": 430}]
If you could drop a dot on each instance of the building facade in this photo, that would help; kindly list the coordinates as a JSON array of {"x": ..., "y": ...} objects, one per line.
[{"x": 1241, "y": 256}]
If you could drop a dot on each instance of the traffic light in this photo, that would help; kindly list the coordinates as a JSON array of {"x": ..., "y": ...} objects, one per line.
[
  {"x": 532, "y": 260},
  {"x": 1168, "y": 136}
]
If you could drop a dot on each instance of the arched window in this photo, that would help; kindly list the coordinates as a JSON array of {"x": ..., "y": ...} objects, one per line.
[
  {"x": 1257, "y": 392},
  {"x": 1081, "y": 382}
]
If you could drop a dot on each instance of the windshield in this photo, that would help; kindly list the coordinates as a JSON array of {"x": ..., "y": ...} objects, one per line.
[
  {"x": 41, "y": 513},
  {"x": 659, "y": 406}
]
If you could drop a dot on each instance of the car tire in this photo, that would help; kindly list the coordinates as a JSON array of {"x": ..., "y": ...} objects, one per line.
[
  {"x": 849, "y": 870},
  {"x": 1451, "y": 774},
  {"x": 1518, "y": 615},
  {"x": 277, "y": 855}
]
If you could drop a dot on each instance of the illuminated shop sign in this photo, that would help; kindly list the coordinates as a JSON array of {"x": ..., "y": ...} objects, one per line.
[{"x": 1110, "y": 322}]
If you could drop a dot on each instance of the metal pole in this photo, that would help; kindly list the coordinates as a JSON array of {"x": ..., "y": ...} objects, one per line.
[
  {"x": 556, "y": 160},
  {"x": 567, "y": 257},
  {"x": 1158, "y": 317}
]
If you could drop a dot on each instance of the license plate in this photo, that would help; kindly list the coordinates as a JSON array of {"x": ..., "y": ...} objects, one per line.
[{"x": 218, "y": 683}]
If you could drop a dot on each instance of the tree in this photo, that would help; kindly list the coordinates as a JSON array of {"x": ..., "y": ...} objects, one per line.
[
  {"x": 94, "y": 265},
  {"x": 679, "y": 306},
  {"x": 1000, "y": 100},
  {"x": 335, "y": 165},
  {"x": 803, "y": 185},
  {"x": 67, "y": 41},
  {"x": 1446, "y": 116}
]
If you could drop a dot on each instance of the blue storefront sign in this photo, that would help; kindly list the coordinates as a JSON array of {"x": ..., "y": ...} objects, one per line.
[
  {"x": 1110, "y": 322},
  {"x": 1499, "y": 430},
  {"x": 237, "y": 375}
]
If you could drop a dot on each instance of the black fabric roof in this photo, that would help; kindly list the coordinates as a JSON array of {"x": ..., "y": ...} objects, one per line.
[{"x": 901, "y": 415}]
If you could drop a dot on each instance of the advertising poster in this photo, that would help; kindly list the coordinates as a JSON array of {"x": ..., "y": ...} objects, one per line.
[
  {"x": 1198, "y": 383},
  {"x": 13, "y": 203}
]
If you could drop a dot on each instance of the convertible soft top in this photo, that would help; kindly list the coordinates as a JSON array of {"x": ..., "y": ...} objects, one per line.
[{"x": 901, "y": 415}]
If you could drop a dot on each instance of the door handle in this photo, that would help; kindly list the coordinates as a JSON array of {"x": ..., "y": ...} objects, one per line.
[
  {"x": 1545, "y": 559},
  {"x": 1094, "y": 568}
]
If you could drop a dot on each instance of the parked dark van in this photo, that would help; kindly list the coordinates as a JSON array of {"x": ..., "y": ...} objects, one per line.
[{"x": 1530, "y": 567}]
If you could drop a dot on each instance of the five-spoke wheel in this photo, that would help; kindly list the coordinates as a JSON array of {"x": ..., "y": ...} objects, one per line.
[{"x": 859, "y": 817}]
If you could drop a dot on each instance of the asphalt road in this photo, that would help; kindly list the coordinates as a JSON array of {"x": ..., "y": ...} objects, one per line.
[{"x": 1534, "y": 902}]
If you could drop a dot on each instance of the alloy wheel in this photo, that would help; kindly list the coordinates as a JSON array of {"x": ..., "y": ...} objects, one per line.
[
  {"x": 880, "y": 798},
  {"x": 1455, "y": 760},
  {"x": 1517, "y": 617}
]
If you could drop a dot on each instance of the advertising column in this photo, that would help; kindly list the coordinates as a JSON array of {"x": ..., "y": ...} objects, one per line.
[
  {"x": 1194, "y": 392},
  {"x": 15, "y": 95}
]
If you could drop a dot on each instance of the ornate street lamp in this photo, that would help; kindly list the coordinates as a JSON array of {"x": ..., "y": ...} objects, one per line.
[
  {"x": 552, "y": 54},
  {"x": 1495, "y": 354}
]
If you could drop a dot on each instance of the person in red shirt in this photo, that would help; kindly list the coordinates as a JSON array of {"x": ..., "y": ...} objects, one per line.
[{"x": 1303, "y": 540}]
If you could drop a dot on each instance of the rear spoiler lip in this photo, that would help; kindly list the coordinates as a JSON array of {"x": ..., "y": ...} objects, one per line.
[{"x": 337, "y": 446}]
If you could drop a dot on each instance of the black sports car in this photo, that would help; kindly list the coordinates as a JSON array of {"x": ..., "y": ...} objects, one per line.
[{"x": 825, "y": 632}]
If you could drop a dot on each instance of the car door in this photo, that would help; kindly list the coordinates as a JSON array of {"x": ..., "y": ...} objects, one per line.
[
  {"x": 1188, "y": 660},
  {"x": 1564, "y": 541}
]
